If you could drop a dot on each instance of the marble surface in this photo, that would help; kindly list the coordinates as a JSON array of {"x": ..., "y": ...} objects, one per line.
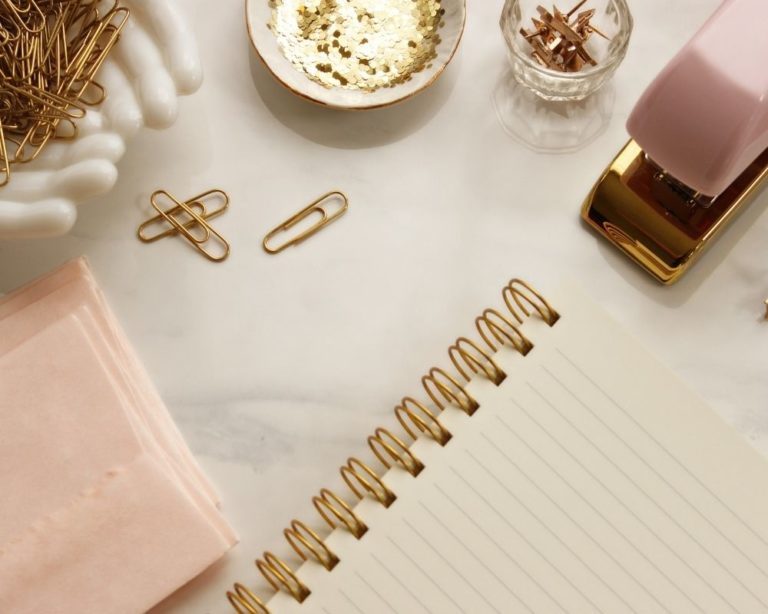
[{"x": 276, "y": 368}]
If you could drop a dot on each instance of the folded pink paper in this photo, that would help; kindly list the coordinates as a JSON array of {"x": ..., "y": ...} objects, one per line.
[
  {"x": 119, "y": 547},
  {"x": 107, "y": 509},
  {"x": 63, "y": 291}
]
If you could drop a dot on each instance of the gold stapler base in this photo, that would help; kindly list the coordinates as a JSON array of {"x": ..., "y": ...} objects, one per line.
[{"x": 655, "y": 222}]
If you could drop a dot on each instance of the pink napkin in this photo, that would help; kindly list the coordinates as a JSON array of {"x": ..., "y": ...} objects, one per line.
[{"x": 105, "y": 509}]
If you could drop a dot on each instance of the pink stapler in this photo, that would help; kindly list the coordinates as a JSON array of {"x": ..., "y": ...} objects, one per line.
[{"x": 699, "y": 147}]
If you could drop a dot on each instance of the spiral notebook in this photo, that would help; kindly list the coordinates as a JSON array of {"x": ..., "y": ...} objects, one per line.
[{"x": 556, "y": 467}]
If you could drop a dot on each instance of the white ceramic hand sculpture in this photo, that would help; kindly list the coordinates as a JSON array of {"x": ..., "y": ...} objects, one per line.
[{"x": 155, "y": 61}]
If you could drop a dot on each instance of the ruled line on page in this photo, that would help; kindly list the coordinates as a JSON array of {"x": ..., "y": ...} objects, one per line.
[
  {"x": 517, "y": 531},
  {"x": 504, "y": 552},
  {"x": 642, "y": 459},
  {"x": 469, "y": 551},
  {"x": 426, "y": 574},
  {"x": 663, "y": 448},
  {"x": 653, "y": 502},
  {"x": 547, "y": 528},
  {"x": 451, "y": 566},
  {"x": 378, "y": 595},
  {"x": 610, "y": 493},
  {"x": 401, "y": 583},
  {"x": 350, "y": 601},
  {"x": 588, "y": 503}
]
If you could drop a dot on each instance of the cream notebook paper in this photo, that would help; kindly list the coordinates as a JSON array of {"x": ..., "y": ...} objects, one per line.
[{"x": 589, "y": 480}]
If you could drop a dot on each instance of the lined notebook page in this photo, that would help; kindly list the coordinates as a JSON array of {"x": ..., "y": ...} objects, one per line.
[{"x": 590, "y": 480}]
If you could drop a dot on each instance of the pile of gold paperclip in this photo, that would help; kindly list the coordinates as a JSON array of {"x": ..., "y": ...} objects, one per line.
[
  {"x": 50, "y": 51},
  {"x": 189, "y": 219}
]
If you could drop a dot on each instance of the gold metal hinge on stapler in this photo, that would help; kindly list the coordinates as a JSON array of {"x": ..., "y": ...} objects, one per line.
[{"x": 659, "y": 223}]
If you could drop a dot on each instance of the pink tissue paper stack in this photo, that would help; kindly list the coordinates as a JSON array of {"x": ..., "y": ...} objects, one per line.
[{"x": 103, "y": 508}]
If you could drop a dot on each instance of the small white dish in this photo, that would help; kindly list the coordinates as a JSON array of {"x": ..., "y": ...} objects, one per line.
[{"x": 258, "y": 14}]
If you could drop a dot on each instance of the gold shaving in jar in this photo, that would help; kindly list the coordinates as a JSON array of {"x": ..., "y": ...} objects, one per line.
[{"x": 358, "y": 44}]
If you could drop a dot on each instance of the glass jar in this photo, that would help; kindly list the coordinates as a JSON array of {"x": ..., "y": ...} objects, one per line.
[{"x": 613, "y": 18}]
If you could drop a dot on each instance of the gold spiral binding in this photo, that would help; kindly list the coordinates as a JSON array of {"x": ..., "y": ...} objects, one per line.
[
  {"x": 423, "y": 419},
  {"x": 382, "y": 441},
  {"x": 521, "y": 293},
  {"x": 306, "y": 542},
  {"x": 357, "y": 473},
  {"x": 329, "y": 502},
  {"x": 450, "y": 392},
  {"x": 244, "y": 601},
  {"x": 484, "y": 365},
  {"x": 280, "y": 576},
  {"x": 493, "y": 324},
  {"x": 443, "y": 389}
]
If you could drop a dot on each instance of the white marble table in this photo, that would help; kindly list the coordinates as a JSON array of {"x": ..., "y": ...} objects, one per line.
[{"x": 276, "y": 368}]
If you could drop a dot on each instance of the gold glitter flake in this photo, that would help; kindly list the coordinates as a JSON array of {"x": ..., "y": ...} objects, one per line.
[{"x": 358, "y": 44}]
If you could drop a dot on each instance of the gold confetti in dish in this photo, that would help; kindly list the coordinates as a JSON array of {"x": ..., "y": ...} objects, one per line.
[
  {"x": 356, "y": 53},
  {"x": 357, "y": 44}
]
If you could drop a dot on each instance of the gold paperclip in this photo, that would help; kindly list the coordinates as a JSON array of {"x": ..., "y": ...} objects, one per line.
[
  {"x": 314, "y": 207},
  {"x": 197, "y": 203},
  {"x": 197, "y": 220}
]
